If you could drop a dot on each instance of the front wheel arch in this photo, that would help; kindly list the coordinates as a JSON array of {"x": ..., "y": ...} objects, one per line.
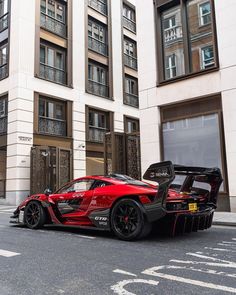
[{"x": 42, "y": 215}]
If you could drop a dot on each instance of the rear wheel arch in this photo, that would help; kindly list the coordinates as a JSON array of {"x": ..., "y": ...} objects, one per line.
[{"x": 143, "y": 226}]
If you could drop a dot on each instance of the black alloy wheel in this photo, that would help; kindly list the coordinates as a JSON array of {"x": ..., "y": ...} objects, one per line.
[
  {"x": 128, "y": 221},
  {"x": 34, "y": 216}
]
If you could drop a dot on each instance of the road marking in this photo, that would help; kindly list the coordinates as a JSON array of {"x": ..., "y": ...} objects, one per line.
[
  {"x": 84, "y": 237},
  {"x": 218, "y": 249},
  {"x": 209, "y": 271},
  {"x": 7, "y": 213},
  {"x": 6, "y": 210},
  {"x": 124, "y": 272},
  {"x": 8, "y": 254},
  {"x": 152, "y": 272},
  {"x": 119, "y": 287},
  {"x": 217, "y": 262},
  {"x": 234, "y": 243}
]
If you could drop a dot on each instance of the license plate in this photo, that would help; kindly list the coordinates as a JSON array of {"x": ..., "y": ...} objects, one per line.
[{"x": 192, "y": 207}]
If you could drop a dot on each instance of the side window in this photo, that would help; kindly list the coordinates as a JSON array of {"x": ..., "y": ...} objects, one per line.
[
  {"x": 100, "y": 183},
  {"x": 78, "y": 186}
]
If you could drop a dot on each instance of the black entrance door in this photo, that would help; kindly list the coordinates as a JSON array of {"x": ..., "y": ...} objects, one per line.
[{"x": 51, "y": 167}]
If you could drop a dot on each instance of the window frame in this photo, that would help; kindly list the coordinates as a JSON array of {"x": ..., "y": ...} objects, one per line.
[
  {"x": 160, "y": 7},
  {"x": 108, "y": 118},
  {"x": 64, "y": 11},
  {"x": 200, "y": 15},
  {"x": 201, "y": 49},
  {"x": 136, "y": 121},
  {"x": 55, "y": 51}
]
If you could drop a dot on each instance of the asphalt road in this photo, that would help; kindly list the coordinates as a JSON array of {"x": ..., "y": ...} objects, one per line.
[{"x": 71, "y": 261}]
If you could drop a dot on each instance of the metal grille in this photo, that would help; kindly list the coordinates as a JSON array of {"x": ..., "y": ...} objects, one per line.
[
  {"x": 3, "y": 125},
  {"x": 52, "y": 74},
  {"x": 50, "y": 167},
  {"x": 122, "y": 154},
  {"x": 3, "y": 71},
  {"x": 98, "y": 5},
  {"x": 97, "y": 46}
]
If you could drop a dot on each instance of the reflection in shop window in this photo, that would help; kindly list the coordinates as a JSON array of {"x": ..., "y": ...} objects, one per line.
[
  {"x": 172, "y": 36},
  {"x": 196, "y": 143},
  {"x": 207, "y": 57},
  {"x": 170, "y": 66},
  {"x": 205, "y": 13}
]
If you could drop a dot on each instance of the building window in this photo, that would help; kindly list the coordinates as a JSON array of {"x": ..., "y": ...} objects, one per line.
[
  {"x": 98, "y": 79},
  {"x": 99, "y": 5},
  {"x": 131, "y": 91},
  {"x": 194, "y": 138},
  {"x": 131, "y": 125},
  {"x": 3, "y": 164},
  {"x": 52, "y": 64},
  {"x": 207, "y": 57},
  {"x": 183, "y": 40},
  {"x": 52, "y": 117},
  {"x": 3, "y": 15},
  {"x": 98, "y": 125},
  {"x": 171, "y": 66},
  {"x": 53, "y": 16},
  {"x": 97, "y": 37},
  {"x": 130, "y": 53},
  {"x": 205, "y": 13},
  {"x": 3, "y": 61},
  {"x": 129, "y": 18},
  {"x": 3, "y": 115}
]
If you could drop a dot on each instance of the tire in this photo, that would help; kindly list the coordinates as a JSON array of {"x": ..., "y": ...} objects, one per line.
[
  {"x": 34, "y": 215},
  {"x": 128, "y": 221}
]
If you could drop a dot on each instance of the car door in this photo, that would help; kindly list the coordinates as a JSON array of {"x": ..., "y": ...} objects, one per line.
[{"x": 74, "y": 197}]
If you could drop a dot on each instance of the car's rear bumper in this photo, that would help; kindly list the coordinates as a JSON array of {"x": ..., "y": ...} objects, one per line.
[{"x": 192, "y": 222}]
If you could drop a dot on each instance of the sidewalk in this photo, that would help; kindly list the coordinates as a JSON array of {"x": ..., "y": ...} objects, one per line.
[{"x": 224, "y": 218}]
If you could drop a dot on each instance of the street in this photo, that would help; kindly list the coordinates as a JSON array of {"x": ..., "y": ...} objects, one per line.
[{"x": 73, "y": 261}]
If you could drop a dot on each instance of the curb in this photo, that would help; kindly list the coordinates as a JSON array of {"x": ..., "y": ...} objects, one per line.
[{"x": 224, "y": 223}]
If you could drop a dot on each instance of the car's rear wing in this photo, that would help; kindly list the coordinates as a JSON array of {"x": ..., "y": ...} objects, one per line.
[{"x": 164, "y": 173}]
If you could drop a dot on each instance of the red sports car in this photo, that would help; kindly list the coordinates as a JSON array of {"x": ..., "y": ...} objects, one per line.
[{"x": 126, "y": 206}]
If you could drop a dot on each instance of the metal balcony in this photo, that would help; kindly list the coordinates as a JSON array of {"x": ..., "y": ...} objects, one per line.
[
  {"x": 97, "y": 88},
  {"x": 173, "y": 34},
  {"x": 52, "y": 126},
  {"x": 130, "y": 61},
  {"x": 3, "y": 125},
  {"x": 97, "y": 46},
  {"x": 131, "y": 100},
  {"x": 129, "y": 24},
  {"x": 96, "y": 134},
  {"x": 53, "y": 25},
  {"x": 98, "y": 5},
  {"x": 52, "y": 74}
]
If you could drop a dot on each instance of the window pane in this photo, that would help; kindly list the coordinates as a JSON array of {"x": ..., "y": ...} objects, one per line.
[
  {"x": 60, "y": 12},
  {"x": 51, "y": 8},
  {"x": 3, "y": 55},
  {"x": 50, "y": 110},
  {"x": 43, "y": 6},
  {"x": 59, "y": 112},
  {"x": 3, "y": 7},
  {"x": 42, "y": 108},
  {"x": 172, "y": 37},
  {"x": 195, "y": 143},
  {"x": 200, "y": 37},
  {"x": 50, "y": 57},
  {"x": 59, "y": 61},
  {"x": 2, "y": 108},
  {"x": 42, "y": 54}
]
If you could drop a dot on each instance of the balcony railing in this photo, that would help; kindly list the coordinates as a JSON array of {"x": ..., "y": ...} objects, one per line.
[
  {"x": 3, "y": 125},
  {"x": 4, "y": 22},
  {"x": 97, "y": 88},
  {"x": 52, "y": 126},
  {"x": 52, "y": 74},
  {"x": 98, "y": 5},
  {"x": 131, "y": 99},
  {"x": 96, "y": 134},
  {"x": 97, "y": 46},
  {"x": 173, "y": 34},
  {"x": 3, "y": 71},
  {"x": 2, "y": 188},
  {"x": 53, "y": 25},
  {"x": 129, "y": 24},
  {"x": 130, "y": 61}
]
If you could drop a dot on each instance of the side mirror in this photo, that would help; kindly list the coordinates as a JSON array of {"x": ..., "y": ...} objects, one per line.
[{"x": 47, "y": 191}]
